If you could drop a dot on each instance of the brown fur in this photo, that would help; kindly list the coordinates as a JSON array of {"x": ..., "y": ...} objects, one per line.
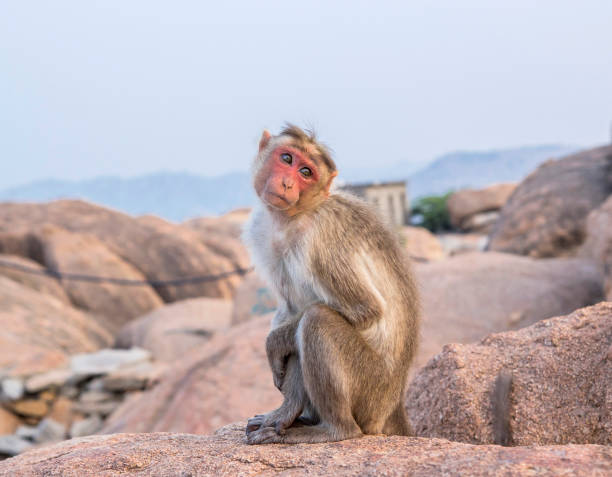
[{"x": 346, "y": 330}]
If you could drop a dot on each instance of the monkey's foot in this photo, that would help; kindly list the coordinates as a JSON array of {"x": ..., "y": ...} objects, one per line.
[
  {"x": 279, "y": 419},
  {"x": 255, "y": 423},
  {"x": 271, "y": 420},
  {"x": 301, "y": 434},
  {"x": 263, "y": 435}
]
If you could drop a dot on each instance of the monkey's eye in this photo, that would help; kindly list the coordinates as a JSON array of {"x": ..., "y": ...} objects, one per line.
[
  {"x": 286, "y": 157},
  {"x": 306, "y": 172}
]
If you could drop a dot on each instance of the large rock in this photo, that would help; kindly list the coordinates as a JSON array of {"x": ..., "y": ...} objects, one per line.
[
  {"x": 546, "y": 215},
  {"x": 226, "y": 454},
  {"x": 225, "y": 381},
  {"x": 560, "y": 393},
  {"x": 158, "y": 249},
  {"x": 169, "y": 332},
  {"x": 222, "y": 235},
  {"x": 68, "y": 252},
  {"x": 39, "y": 332},
  {"x": 11, "y": 266},
  {"x": 253, "y": 298},
  {"x": 598, "y": 243},
  {"x": 464, "y": 204},
  {"x": 421, "y": 244},
  {"x": 217, "y": 257},
  {"x": 470, "y": 295}
]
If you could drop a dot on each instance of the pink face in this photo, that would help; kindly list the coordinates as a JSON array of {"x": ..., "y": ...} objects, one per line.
[{"x": 288, "y": 175}]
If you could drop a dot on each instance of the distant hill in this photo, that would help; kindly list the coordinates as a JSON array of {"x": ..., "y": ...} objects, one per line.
[
  {"x": 459, "y": 170},
  {"x": 174, "y": 196},
  {"x": 178, "y": 196}
]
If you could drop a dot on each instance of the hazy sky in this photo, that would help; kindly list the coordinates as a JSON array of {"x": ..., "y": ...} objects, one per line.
[{"x": 128, "y": 87}]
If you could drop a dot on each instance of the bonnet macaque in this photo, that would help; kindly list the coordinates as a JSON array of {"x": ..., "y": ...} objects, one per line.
[{"x": 347, "y": 323}]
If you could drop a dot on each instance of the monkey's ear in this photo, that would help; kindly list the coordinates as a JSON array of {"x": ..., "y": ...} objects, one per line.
[
  {"x": 265, "y": 139},
  {"x": 329, "y": 181}
]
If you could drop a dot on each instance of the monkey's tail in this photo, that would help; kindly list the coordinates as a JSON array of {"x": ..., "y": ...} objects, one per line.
[{"x": 501, "y": 408}]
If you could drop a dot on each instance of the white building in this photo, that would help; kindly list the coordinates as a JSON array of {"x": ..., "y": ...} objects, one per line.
[{"x": 388, "y": 197}]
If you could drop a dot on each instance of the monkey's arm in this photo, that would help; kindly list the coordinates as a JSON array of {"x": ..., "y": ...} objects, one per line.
[
  {"x": 351, "y": 294},
  {"x": 280, "y": 344}
]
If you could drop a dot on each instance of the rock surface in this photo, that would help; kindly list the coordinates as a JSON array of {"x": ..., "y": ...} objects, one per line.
[
  {"x": 39, "y": 332},
  {"x": 471, "y": 295},
  {"x": 156, "y": 248},
  {"x": 12, "y": 445},
  {"x": 225, "y": 454},
  {"x": 561, "y": 373},
  {"x": 8, "y": 422},
  {"x": 546, "y": 215},
  {"x": 41, "y": 283},
  {"x": 222, "y": 236},
  {"x": 55, "y": 378},
  {"x": 598, "y": 243},
  {"x": 107, "y": 360},
  {"x": 464, "y": 204},
  {"x": 421, "y": 245},
  {"x": 224, "y": 381},
  {"x": 133, "y": 377},
  {"x": 456, "y": 243},
  {"x": 481, "y": 223},
  {"x": 11, "y": 388},
  {"x": 185, "y": 240},
  {"x": 170, "y": 331},
  {"x": 49, "y": 430},
  {"x": 85, "y": 254},
  {"x": 253, "y": 298},
  {"x": 85, "y": 427}
]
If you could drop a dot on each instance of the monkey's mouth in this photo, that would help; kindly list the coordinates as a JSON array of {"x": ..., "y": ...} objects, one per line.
[{"x": 278, "y": 201}]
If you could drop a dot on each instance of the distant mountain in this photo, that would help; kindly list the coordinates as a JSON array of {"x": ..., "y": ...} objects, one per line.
[
  {"x": 174, "y": 196},
  {"x": 459, "y": 170},
  {"x": 399, "y": 171},
  {"x": 178, "y": 196}
]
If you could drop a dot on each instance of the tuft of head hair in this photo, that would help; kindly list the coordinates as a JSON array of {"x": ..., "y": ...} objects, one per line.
[{"x": 308, "y": 138}]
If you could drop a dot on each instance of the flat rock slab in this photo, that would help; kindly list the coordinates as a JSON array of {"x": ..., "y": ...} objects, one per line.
[
  {"x": 163, "y": 454},
  {"x": 13, "y": 445},
  {"x": 54, "y": 378},
  {"x": 107, "y": 360}
]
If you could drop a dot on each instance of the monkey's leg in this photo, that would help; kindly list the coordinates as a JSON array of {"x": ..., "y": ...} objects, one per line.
[
  {"x": 295, "y": 401},
  {"x": 398, "y": 424},
  {"x": 331, "y": 352}
]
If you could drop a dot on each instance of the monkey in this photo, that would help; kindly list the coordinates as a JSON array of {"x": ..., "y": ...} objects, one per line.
[{"x": 345, "y": 331}]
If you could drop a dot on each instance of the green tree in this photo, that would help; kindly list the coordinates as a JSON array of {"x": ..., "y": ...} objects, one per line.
[{"x": 431, "y": 212}]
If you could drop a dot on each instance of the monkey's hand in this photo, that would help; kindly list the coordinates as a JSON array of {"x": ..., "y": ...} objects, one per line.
[
  {"x": 278, "y": 365},
  {"x": 280, "y": 345}
]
